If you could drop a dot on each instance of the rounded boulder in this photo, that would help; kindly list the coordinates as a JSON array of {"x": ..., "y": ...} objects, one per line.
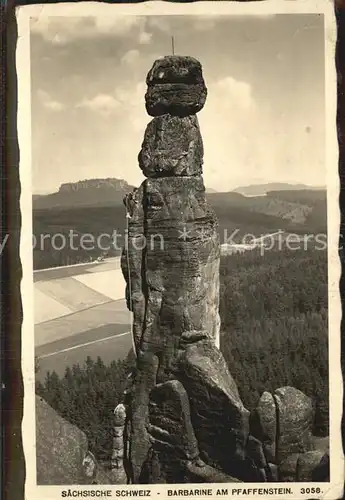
[{"x": 175, "y": 86}]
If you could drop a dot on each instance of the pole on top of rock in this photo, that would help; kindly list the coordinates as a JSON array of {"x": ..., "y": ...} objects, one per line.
[{"x": 173, "y": 45}]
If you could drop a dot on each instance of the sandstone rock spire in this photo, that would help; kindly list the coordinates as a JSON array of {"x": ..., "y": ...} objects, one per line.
[
  {"x": 173, "y": 246},
  {"x": 185, "y": 418}
]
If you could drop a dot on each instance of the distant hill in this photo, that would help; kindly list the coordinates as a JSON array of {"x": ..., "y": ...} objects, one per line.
[
  {"x": 261, "y": 189},
  {"x": 36, "y": 197},
  {"x": 96, "y": 207},
  {"x": 86, "y": 193},
  {"x": 291, "y": 209}
]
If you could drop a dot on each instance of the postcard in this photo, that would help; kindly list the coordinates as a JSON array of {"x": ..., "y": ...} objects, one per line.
[{"x": 179, "y": 244}]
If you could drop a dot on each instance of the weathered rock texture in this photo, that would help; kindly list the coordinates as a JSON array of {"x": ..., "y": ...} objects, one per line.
[
  {"x": 309, "y": 464},
  {"x": 185, "y": 418},
  {"x": 175, "y": 85},
  {"x": 171, "y": 430},
  {"x": 118, "y": 472},
  {"x": 60, "y": 448},
  {"x": 264, "y": 425},
  {"x": 295, "y": 419},
  {"x": 62, "y": 454},
  {"x": 172, "y": 147},
  {"x": 221, "y": 422}
]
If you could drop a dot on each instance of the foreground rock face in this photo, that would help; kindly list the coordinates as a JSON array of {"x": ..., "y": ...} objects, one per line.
[
  {"x": 139, "y": 443},
  {"x": 264, "y": 425},
  {"x": 62, "y": 454},
  {"x": 310, "y": 465},
  {"x": 60, "y": 448},
  {"x": 171, "y": 431},
  {"x": 295, "y": 418},
  {"x": 220, "y": 420},
  {"x": 282, "y": 422},
  {"x": 186, "y": 421},
  {"x": 118, "y": 472}
]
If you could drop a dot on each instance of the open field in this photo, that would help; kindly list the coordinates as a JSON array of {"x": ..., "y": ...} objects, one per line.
[
  {"x": 110, "y": 342},
  {"x": 80, "y": 312}
]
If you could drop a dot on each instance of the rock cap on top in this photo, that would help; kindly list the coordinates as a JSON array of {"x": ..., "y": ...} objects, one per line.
[
  {"x": 175, "y": 86},
  {"x": 175, "y": 69}
]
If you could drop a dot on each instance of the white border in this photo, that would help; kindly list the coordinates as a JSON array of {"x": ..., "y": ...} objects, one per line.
[{"x": 331, "y": 491}]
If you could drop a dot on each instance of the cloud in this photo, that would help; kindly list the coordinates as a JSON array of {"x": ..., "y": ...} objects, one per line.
[
  {"x": 237, "y": 92},
  {"x": 228, "y": 123},
  {"x": 144, "y": 37},
  {"x": 127, "y": 99},
  {"x": 161, "y": 23},
  {"x": 57, "y": 30},
  {"x": 63, "y": 30},
  {"x": 205, "y": 23},
  {"x": 59, "y": 39},
  {"x": 104, "y": 104},
  {"x": 48, "y": 102},
  {"x": 54, "y": 105},
  {"x": 131, "y": 98},
  {"x": 130, "y": 57},
  {"x": 131, "y": 95},
  {"x": 118, "y": 25},
  {"x": 174, "y": 25}
]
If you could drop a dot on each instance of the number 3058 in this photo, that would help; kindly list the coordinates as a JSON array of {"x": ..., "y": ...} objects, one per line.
[{"x": 310, "y": 490}]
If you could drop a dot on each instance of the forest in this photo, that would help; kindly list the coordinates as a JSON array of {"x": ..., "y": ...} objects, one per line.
[
  {"x": 299, "y": 212},
  {"x": 274, "y": 332},
  {"x": 274, "y": 313}
]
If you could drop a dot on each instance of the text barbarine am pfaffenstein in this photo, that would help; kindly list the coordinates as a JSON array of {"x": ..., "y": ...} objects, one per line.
[{"x": 186, "y": 492}]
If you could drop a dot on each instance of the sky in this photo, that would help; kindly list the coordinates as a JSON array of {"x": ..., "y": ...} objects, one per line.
[{"x": 264, "y": 117}]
